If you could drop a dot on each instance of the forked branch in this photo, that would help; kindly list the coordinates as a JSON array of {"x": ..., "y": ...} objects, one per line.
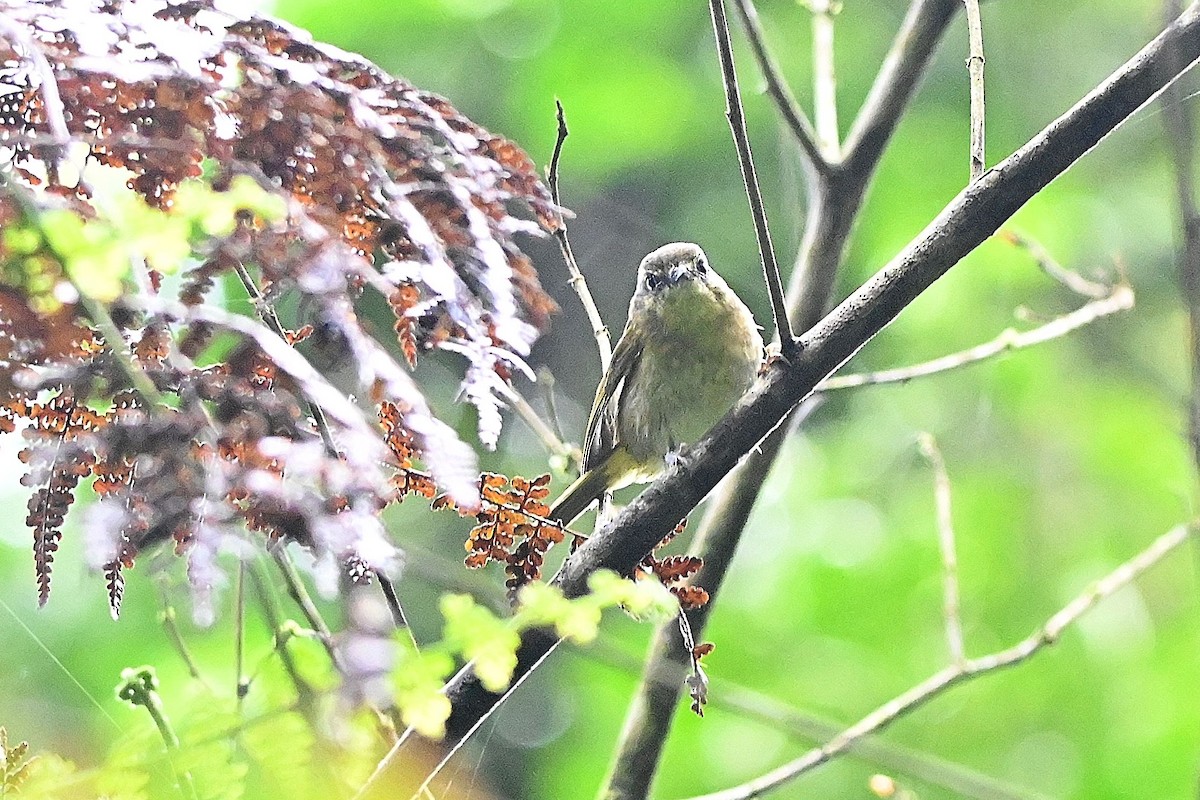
[{"x": 741, "y": 140}]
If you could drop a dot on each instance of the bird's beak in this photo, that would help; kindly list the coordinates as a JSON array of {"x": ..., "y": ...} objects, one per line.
[{"x": 680, "y": 272}]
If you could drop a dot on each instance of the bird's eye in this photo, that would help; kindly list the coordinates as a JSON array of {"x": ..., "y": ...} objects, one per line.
[
  {"x": 701, "y": 266},
  {"x": 653, "y": 281}
]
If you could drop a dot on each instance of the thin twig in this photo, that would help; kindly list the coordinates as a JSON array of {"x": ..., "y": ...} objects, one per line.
[
  {"x": 1120, "y": 299},
  {"x": 399, "y": 618},
  {"x": 531, "y": 418},
  {"x": 825, "y": 78},
  {"x": 954, "y": 674},
  {"x": 545, "y": 382},
  {"x": 741, "y": 140},
  {"x": 945, "y": 526},
  {"x": 306, "y": 695},
  {"x": 1049, "y": 265},
  {"x": 975, "y": 70},
  {"x": 797, "y": 121},
  {"x": 577, "y": 281},
  {"x": 167, "y": 618},
  {"x": 453, "y": 751}
]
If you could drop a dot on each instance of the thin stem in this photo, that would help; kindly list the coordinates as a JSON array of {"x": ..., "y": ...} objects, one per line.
[
  {"x": 239, "y": 636},
  {"x": 741, "y": 140},
  {"x": 954, "y": 674},
  {"x": 797, "y": 121},
  {"x": 545, "y": 380},
  {"x": 1120, "y": 299},
  {"x": 394, "y": 751},
  {"x": 117, "y": 345},
  {"x": 577, "y": 281},
  {"x": 533, "y": 420},
  {"x": 299, "y": 594},
  {"x": 1049, "y": 265},
  {"x": 975, "y": 70},
  {"x": 399, "y": 618},
  {"x": 825, "y": 78},
  {"x": 945, "y": 526},
  {"x": 139, "y": 687},
  {"x": 175, "y": 637}
]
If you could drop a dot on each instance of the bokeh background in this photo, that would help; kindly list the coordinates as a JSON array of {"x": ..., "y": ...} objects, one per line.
[{"x": 1065, "y": 459}]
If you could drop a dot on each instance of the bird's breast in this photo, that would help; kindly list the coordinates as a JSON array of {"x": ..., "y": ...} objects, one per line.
[{"x": 700, "y": 357}]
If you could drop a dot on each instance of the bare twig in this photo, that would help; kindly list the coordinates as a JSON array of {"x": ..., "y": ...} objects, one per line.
[
  {"x": 545, "y": 381},
  {"x": 399, "y": 619},
  {"x": 299, "y": 594},
  {"x": 968, "y": 669},
  {"x": 1120, "y": 299},
  {"x": 797, "y": 121},
  {"x": 577, "y": 281},
  {"x": 975, "y": 70},
  {"x": 945, "y": 526},
  {"x": 306, "y": 695},
  {"x": 750, "y": 704},
  {"x": 825, "y": 78},
  {"x": 531, "y": 418},
  {"x": 1049, "y": 265},
  {"x": 167, "y": 618},
  {"x": 741, "y": 140},
  {"x": 241, "y": 683}
]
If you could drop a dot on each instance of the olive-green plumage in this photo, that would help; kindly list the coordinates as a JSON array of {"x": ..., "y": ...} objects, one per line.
[{"x": 689, "y": 350}]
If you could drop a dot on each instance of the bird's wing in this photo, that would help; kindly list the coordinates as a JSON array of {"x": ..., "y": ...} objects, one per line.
[{"x": 601, "y": 436}]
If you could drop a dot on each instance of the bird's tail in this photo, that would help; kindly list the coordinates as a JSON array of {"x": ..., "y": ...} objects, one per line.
[{"x": 611, "y": 473}]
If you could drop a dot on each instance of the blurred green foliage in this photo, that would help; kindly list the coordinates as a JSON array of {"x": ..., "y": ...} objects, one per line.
[{"x": 1065, "y": 459}]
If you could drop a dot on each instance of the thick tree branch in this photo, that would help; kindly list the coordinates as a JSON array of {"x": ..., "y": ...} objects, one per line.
[
  {"x": 741, "y": 140},
  {"x": 970, "y": 218},
  {"x": 835, "y": 199},
  {"x": 945, "y": 525},
  {"x": 1047, "y": 634},
  {"x": 974, "y": 215}
]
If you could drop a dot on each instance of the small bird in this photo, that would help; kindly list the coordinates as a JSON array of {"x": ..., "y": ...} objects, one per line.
[{"x": 689, "y": 350}]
